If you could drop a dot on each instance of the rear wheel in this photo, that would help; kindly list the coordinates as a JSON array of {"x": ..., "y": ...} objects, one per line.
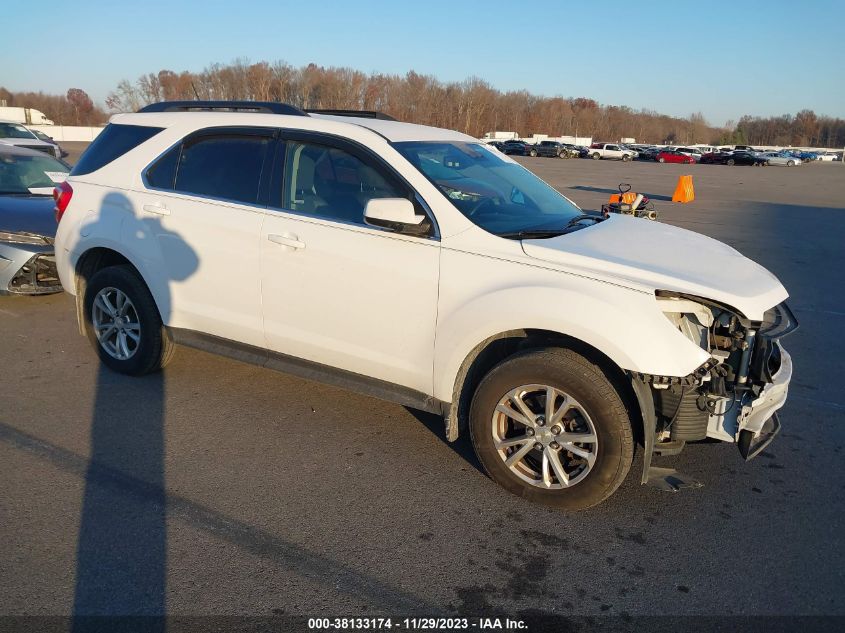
[
  {"x": 547, "y": 425},
  {"x": 661, "y": 160},
  {"x": 596, "y": 156},
  {"x": 790, "y": 163},
  {"x": 730, "y": 161},
  {"x": 625, "y": 158},
  {"x": 123, "y": 324}
]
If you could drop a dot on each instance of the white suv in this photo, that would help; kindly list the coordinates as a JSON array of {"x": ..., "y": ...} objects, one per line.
[{"x": 417, "y": 265}]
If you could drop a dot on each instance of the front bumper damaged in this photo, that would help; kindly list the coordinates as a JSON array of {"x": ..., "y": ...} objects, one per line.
[{"x": 752, "y": 422}]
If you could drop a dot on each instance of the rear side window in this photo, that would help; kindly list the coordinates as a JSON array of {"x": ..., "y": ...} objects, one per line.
[
  {"x": 162, "y": 175},
  {"x": 226, "y": 167},
  {"x": 112, "y": 143}
]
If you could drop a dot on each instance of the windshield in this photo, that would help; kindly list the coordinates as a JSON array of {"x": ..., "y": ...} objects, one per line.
[
  {"x": 13, "y": 130},
  {"x": 21, "y": 174},
  {"x": 495, "y": 193}
]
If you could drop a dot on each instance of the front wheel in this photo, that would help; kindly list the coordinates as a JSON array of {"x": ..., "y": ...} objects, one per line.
[
  {"x": 790, "y": 163},
  {"x": 533, "y": 153},
  {"x": 625, "y": 158},
  {"x": 661, "y": 160},
  {"x": 730, "y": 162},
  {"x": 123, "y": 324},
  {"x": 548, "y": 426}
]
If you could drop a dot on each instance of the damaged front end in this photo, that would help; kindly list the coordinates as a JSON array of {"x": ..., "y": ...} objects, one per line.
[{"x": 734, "y": 396}]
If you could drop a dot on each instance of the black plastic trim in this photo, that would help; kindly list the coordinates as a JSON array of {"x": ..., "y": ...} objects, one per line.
[
  {"x": 309, "y": 370},
  {"x": 266, "y": 107},
  {"x": 361, "y": 114}
]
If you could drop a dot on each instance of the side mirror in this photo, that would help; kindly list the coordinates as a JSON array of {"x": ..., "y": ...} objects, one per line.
[{"x": 396, "y": 214}]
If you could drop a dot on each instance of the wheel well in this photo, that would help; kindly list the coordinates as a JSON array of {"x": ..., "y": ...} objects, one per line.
[
  {"x": 495, "y": 349},
  {"x": 90, "y": 262}
]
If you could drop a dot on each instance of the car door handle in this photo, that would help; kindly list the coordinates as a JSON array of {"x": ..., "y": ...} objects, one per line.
[
  {"x": 157, "y": 208},
  {"x": 286, "y": 240}
]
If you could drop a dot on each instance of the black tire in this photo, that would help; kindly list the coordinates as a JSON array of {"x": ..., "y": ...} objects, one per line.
[
  {"x": 563, "y": 155},
  {"x": 730, "y": 162},
  {"x": 533, "y": 153},
  {"x": 661, "y": 160},
  {"x": 596, "y": 156},
  {"x": 625, "y": 158},
  {"x": 568, "y": 371},
  {"x": 154, "y": 349},
  {"x": 790, "y": 163}
]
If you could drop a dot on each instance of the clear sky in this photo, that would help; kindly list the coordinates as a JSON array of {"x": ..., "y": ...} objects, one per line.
[{"x": 724, "y": 59}]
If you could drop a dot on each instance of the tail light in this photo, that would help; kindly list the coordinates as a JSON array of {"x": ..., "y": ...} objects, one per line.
[{"x": 61, "y": 194}]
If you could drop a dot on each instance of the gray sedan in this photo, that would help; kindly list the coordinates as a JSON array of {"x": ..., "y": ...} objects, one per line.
[
  {"x": 778, "y": 158},
  {"x": 27, "y": 220}
]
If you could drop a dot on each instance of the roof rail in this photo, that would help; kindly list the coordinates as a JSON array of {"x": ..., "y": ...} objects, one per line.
[
  {"x": 363, "y": 114},
  {"x": 223, "y": 106}
]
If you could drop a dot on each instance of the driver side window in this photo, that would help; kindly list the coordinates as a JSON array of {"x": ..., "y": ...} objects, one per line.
[{"x": 331, "y": 183}]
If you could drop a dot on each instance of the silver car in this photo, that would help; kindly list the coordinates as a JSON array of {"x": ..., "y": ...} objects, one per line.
[
  {"x": 27, "y": 220},
  {"x": 779, "y": 158},
  {"x": 12, "y": 133}
]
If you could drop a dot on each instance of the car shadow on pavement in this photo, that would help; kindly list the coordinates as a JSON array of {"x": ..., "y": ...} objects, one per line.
[
  {"x": 122, "y": 543},
  {"x": 462, "y": 446},
  {"x": 616, "y": 191},
  {"x": 122, "y": 546}
]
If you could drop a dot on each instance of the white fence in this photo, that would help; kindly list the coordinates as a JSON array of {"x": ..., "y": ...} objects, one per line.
[{"x": 61, "y": 133}]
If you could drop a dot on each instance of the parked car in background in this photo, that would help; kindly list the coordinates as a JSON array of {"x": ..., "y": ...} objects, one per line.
[
  {"x": 49, "y": 139},
  {"x": 808, "y": 157},
  {"x": 612, "y": 151},
  {"x": 779, "y": 158},
  {"x": 829, "y": 156},
  {"x": 549, "y": 334},
  {"x": 28, "y": 221},
  {"x": 716, "y": 158},
  {"x": 674, "y": 156},
  {"x": 12, "y": 133},
  {"x": 551, "y": 149},
  {"x": 516, "y": 148},
  {"x": 648, "y": 153},
  {"x": 692, "y": 152},
  {"x": 744, "y": 158}
]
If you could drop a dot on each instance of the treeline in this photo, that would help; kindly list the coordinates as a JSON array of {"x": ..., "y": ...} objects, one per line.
[
  {"x": 472, "y": 106},
  {"x": 73, "y": 108},
  {"x": 804, "y": 129}
]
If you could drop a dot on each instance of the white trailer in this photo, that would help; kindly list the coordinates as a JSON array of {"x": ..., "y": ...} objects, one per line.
[{"x": 27, "y": 116}]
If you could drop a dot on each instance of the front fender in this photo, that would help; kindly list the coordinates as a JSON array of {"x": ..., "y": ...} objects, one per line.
[{"x": 625, "y": 325}]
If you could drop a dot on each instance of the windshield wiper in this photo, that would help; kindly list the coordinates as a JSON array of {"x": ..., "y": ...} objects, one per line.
[
  {"x": 531, "y": 234},
  {"x": 573, "y": 225}
]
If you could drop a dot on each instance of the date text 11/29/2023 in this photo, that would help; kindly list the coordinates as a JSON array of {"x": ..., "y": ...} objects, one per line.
[{"x": 416, "y": 624}]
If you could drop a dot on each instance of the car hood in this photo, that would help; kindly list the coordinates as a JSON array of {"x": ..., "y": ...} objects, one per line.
[
  {"x": 27, "y": 142},
  {"x": 28, "y": 214},
  {"x": 643, "y": 253}
]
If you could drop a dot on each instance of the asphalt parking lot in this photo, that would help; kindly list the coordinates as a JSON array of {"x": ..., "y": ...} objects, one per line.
[{"x": 239, "y": 491}]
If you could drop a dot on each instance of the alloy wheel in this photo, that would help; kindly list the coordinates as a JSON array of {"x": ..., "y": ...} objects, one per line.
[
  {"x": 544, "y": 436},
  {"x": 116, "y": 323}
]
